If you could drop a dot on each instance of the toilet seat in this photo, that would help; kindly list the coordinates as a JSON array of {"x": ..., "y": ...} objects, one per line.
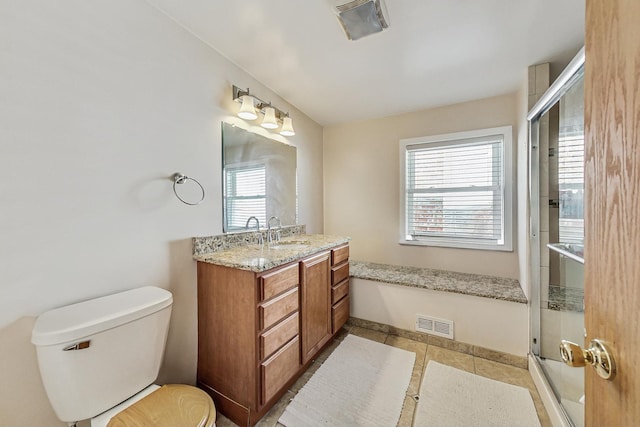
[{"x": 169, "y": 406}]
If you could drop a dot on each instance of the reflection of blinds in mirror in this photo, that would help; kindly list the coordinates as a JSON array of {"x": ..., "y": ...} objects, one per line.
[
  {"x": 455, "y": 190},
  {"x": 571, "y": 187},
  {"x": 245, "y": 195}
]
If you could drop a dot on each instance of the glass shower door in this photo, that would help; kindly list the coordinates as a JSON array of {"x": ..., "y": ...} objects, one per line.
[{"x": 557, "y": 176}]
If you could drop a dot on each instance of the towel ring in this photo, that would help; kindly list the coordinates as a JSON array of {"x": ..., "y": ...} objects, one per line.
[{"x": 179, "y": 178}]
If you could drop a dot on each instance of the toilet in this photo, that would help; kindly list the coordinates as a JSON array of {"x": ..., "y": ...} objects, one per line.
[{"x": 99, "y": 358}]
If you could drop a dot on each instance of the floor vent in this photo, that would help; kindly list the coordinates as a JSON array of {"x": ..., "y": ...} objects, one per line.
[{"x": 434, "y": 326}]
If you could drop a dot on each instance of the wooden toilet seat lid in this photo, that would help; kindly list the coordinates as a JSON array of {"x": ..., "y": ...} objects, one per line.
[{"x": 170, "y": 406}]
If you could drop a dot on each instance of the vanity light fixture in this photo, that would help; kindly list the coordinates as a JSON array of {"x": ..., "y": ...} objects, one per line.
[
  {"x": 287, "y": 127},
  {"x": 269, "y": 121},
  {"x": 247, "y": 110},
  {"x": 251, "y": 105}
]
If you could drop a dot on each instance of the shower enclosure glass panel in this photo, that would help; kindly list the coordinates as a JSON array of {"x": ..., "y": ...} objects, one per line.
[{"x": 557, "y": 235}]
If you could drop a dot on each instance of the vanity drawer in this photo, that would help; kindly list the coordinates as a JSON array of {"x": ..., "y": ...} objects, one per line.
[
  {"x": 279, "y": 369},
  {"x": 339, "y": 255},
  {"x": 278, "y": 281},
  {"x": 339, "y": 291},
  {"x": 275, "y": 337},
  {"x": 277, "y": 308},
  {"x": 339, "y": 273},
  {"x": 339, "y": 314}
]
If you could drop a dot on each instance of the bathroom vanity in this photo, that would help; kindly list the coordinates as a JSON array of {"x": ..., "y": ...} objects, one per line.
[{"x": 264, "y": 313}]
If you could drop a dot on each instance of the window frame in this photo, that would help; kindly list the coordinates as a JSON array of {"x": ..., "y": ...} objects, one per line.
[{"x": 453, "y": 139}]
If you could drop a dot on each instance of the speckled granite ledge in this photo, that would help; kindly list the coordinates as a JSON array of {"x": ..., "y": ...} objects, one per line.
[
  {"x": 222, "y": 242},
  {"x": 439, "y": 280},
  {"x": 563, "y": 298},
  {"x": 258, "y": 258}
]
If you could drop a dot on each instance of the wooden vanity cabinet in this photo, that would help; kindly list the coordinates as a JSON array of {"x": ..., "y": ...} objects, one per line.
[
  {"x": 258, "y": 332},
  {"x": 248, "y": 337},
  {"x": 339, "y": 287}
]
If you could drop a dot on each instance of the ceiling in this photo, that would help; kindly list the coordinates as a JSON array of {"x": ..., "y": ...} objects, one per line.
[{"x": 435, "y": 52}]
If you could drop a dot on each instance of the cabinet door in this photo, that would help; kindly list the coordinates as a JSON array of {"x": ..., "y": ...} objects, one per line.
[{"x": 315, "y": 288}]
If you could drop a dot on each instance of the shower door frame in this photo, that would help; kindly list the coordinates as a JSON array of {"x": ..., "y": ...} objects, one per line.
[{"x": 550, "y": 98}]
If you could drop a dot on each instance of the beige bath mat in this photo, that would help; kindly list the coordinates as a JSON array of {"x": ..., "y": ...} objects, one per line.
[
  {"x": 362, "y": 383},
  {"x": 454, "y": 398}
]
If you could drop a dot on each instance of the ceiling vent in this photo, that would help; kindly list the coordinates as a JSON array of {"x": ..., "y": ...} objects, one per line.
[{"x": 359, "y": 18}]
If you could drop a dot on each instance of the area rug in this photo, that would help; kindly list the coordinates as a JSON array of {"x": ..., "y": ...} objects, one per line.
[
  {"x": 454, "y": 398},
  {"x": 362, "y": 383}
]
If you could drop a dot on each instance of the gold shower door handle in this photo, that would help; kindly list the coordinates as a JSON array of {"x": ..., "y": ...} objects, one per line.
[{"x": 598, "y": 355}]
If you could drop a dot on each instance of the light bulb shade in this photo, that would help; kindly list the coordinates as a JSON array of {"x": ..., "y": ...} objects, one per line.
[
  {"x": 247, "y": 111},
  {"x": 287, "y": 127},
  {"x": 269, "y": 121}
]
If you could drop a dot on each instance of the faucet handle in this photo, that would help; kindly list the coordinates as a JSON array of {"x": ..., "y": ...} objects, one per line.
[{"x": 270, "y": 233}]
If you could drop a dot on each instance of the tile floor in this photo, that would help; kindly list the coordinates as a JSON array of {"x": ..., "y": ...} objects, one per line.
[{"x": 424, "y": 353}]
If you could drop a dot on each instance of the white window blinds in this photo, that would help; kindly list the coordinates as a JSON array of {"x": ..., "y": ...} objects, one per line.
[
  {"x": 245, "y": 189},
  {"x": 455, "y": 191}
]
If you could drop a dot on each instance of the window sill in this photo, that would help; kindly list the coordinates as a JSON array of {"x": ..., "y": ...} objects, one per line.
[{"x": 448, "y": 243}]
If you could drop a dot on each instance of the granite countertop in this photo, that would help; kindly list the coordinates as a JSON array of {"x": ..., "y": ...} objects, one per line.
[
  {"x": 440, "y": 280},
  {"x": 257, "y": 258},
  {"x": 565, "y": 298}
]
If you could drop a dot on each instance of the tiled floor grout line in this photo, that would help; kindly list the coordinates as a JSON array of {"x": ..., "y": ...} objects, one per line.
[{"x": 422, "y": 372}]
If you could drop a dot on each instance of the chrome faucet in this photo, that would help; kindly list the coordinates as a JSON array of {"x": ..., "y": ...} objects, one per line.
[
  {"x": 257, "y": 223},
  {"x": 270, "y": 236},
  {"x": 258, "y": 233}
]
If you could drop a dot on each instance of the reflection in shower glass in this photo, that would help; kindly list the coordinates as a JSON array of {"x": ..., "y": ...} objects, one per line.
[{"x": 571, "y": 166}]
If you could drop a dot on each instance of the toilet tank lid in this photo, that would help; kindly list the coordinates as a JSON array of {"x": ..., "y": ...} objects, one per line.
[{"x": 72, "y": 322}]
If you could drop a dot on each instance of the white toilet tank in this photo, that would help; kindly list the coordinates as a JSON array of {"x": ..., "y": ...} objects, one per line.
[{"x": 97, "y": 353}]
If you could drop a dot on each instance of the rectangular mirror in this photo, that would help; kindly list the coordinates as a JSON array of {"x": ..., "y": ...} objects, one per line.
[{"x": 259, "y": 179}]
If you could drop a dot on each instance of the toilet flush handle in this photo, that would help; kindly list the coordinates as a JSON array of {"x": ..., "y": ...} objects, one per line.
[{"x": 78, "y": 346}]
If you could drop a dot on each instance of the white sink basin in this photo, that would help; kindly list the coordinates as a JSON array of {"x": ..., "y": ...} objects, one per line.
[{"x": 291, "y": 245}]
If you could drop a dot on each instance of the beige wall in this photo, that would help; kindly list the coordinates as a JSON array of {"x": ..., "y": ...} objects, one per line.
[
  {"x": 362, "y": 196},
  {"x": 361, "y": 187},
  {"x": 101, "y": 102},
  {"x": 494, "y": 324}
]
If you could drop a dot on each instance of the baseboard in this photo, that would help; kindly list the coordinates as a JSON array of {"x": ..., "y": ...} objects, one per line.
[{"x": 449, "y": 344}]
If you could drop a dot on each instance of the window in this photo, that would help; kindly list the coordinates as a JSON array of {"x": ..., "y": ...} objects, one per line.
[
  {"x": 456, "y": 190},
  {"x": 245, "y": 189}
]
